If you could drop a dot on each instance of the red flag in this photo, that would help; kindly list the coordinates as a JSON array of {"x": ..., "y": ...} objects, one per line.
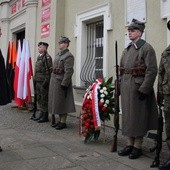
[
  {"x": 21, "y": 72},
  {"x": 17, "y": 100},
  {"x": 24, "y": 76},
  {"x": 28, "y": 73}
]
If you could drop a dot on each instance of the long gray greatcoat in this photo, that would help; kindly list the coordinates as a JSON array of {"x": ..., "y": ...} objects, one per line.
[
  {"x": 138, "y": 116},
  {"x": 58, "y": 103}
]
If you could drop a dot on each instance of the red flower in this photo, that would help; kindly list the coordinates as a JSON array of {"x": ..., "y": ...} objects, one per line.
[
  {"x": 104, "y": 108},
  {"x": 91, "y": 126},
  {"x": 100, "y": 104}
]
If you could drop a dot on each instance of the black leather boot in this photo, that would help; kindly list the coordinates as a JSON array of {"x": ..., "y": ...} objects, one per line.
[
  {"x": 61, "y": 126},
  {"x": 39, "y": 117},
  {"x": 55, "y": 124},
  {"x": 125, "y": 151},
  {"x": 165, "y": 166},
  {"x": 44, "y": 118},
  {"x": 136, "y": 153}
]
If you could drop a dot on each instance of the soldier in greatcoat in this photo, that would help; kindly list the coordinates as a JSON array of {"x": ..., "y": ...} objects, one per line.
[
  {"x": 41, "y": 81},
  {"x": 164, "y": 95},
  {"x": 138, "y": 70},
  {"x": 61, "y": 100}
]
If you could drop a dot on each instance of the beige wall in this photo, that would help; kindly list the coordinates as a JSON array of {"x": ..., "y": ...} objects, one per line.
[
  {"x": 56, "y": 25},
  {"x": 155, "y": 34},
  {"x": 155, "y": 26},
  {"x": 63, "y": 20}
]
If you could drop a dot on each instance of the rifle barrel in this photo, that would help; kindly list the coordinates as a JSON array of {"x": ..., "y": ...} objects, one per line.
[{"x": 116, "y": 116}]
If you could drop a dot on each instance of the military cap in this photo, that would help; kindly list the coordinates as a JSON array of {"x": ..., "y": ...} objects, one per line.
[
  {"x": 64, "y": 39},
  {"x": 135, "y": 24},
  {"x": 168, "y": 25},
  {"x": 43, "y": 43}
]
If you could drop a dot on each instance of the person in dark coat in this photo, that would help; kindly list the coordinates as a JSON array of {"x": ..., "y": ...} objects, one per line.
[
  {"x": 138, "y": 70},
  {"x": 164, "y": 95},
  {"x": 4, "y": 88},
  {"x": 61, "y": 100}
]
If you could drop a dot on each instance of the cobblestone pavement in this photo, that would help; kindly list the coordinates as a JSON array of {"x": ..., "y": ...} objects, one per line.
[{"x": 29, "y": 145}]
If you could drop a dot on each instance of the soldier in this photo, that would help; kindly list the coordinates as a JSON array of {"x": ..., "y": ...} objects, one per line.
[
  {"x": 138, "y": 70},
  {"x": 164, "y": 94},
  {"x": 4, "y": 88},
  {"x": 61, "y": 100},
  {"x": 41, "y": 80}
]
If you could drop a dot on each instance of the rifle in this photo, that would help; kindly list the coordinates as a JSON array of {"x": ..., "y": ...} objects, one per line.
[
  {"x": 49, "y": 72},
  {"x": 117, "y": 109},
  {"x": 35, "y": 102},
  {"x": 158, "y": 146}
]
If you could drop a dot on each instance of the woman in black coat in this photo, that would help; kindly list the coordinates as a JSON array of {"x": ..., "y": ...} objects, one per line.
[{"x": 4, "y": 88}]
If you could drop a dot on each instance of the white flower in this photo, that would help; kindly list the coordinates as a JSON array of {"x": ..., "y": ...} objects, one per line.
[
  {"x": 105, "y": 92},
  {"x": 102, "y": 95},
  {"x": 104, "y": 88},
  {"x": 88, "y": 97},
  {"x": 102, "y": 100},
  {"x": 107, "y": 101},
  {"x": 105, "y": 105},
  {"x": 101, "y": 91}
]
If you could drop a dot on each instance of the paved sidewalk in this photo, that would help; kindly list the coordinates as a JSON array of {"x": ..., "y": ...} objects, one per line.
[{"x": 28, "y": 145}]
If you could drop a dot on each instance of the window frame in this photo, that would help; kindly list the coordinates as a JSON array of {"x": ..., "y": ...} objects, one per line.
[{"x": 80, "y": 32}]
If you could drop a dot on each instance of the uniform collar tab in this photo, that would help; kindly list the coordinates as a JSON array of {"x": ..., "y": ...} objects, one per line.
[{"x": 139, "y": 43}]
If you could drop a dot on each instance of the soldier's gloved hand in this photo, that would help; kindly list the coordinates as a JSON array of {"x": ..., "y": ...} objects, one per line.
[
  {"x": 142, "y": 96},
  {"x": 64, "y": 88},
  {"x": 160, "y": 99},
  {"x": 51, "y": 69}
]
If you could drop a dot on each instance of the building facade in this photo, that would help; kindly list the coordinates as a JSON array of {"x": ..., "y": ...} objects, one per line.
[{"x": 93, "y": 26}]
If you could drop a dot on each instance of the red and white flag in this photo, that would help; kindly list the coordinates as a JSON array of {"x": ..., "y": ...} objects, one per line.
[
  {"x": 24, "y": 76},
  {"x": 28, "y": 73},
  {"x": 21, "y": 76},
  {"x": 17, "y": 100}
]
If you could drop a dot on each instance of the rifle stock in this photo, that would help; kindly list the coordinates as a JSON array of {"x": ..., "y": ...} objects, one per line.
[
  {"x": 158, "y": 146},
  {"x": 35, "y": 99},
  {"x": 117, "y": 109}
]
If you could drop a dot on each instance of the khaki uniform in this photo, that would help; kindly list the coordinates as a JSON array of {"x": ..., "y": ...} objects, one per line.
[
  {"x": 42, "y": 79},
  {"x": 164, "y": 88}
]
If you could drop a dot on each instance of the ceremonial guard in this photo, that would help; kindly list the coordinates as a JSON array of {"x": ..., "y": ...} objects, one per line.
[
  {"x": 138, "y": 70},
  {"x": 164, "y": 95},
  {"x": 41, "y": 81},
  {"x": 61, "y": 100}
]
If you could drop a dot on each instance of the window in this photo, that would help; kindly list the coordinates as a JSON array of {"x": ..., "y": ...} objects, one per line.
[
  {"x": 93, "y": 64},
  {"x": 91, "y": 30}
]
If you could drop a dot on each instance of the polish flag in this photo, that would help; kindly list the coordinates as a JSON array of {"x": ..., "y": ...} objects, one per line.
[
  {"x": 28, "y": 73},
  {"x": 21, "y": 74},
  {"x": 17, "y": 100}
]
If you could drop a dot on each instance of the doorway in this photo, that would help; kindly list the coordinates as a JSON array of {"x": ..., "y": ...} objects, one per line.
[{"x": 20, "y": 36}]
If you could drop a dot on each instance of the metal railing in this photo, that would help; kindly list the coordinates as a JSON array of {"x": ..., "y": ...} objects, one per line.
[{"x": 93, "y": 65}]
